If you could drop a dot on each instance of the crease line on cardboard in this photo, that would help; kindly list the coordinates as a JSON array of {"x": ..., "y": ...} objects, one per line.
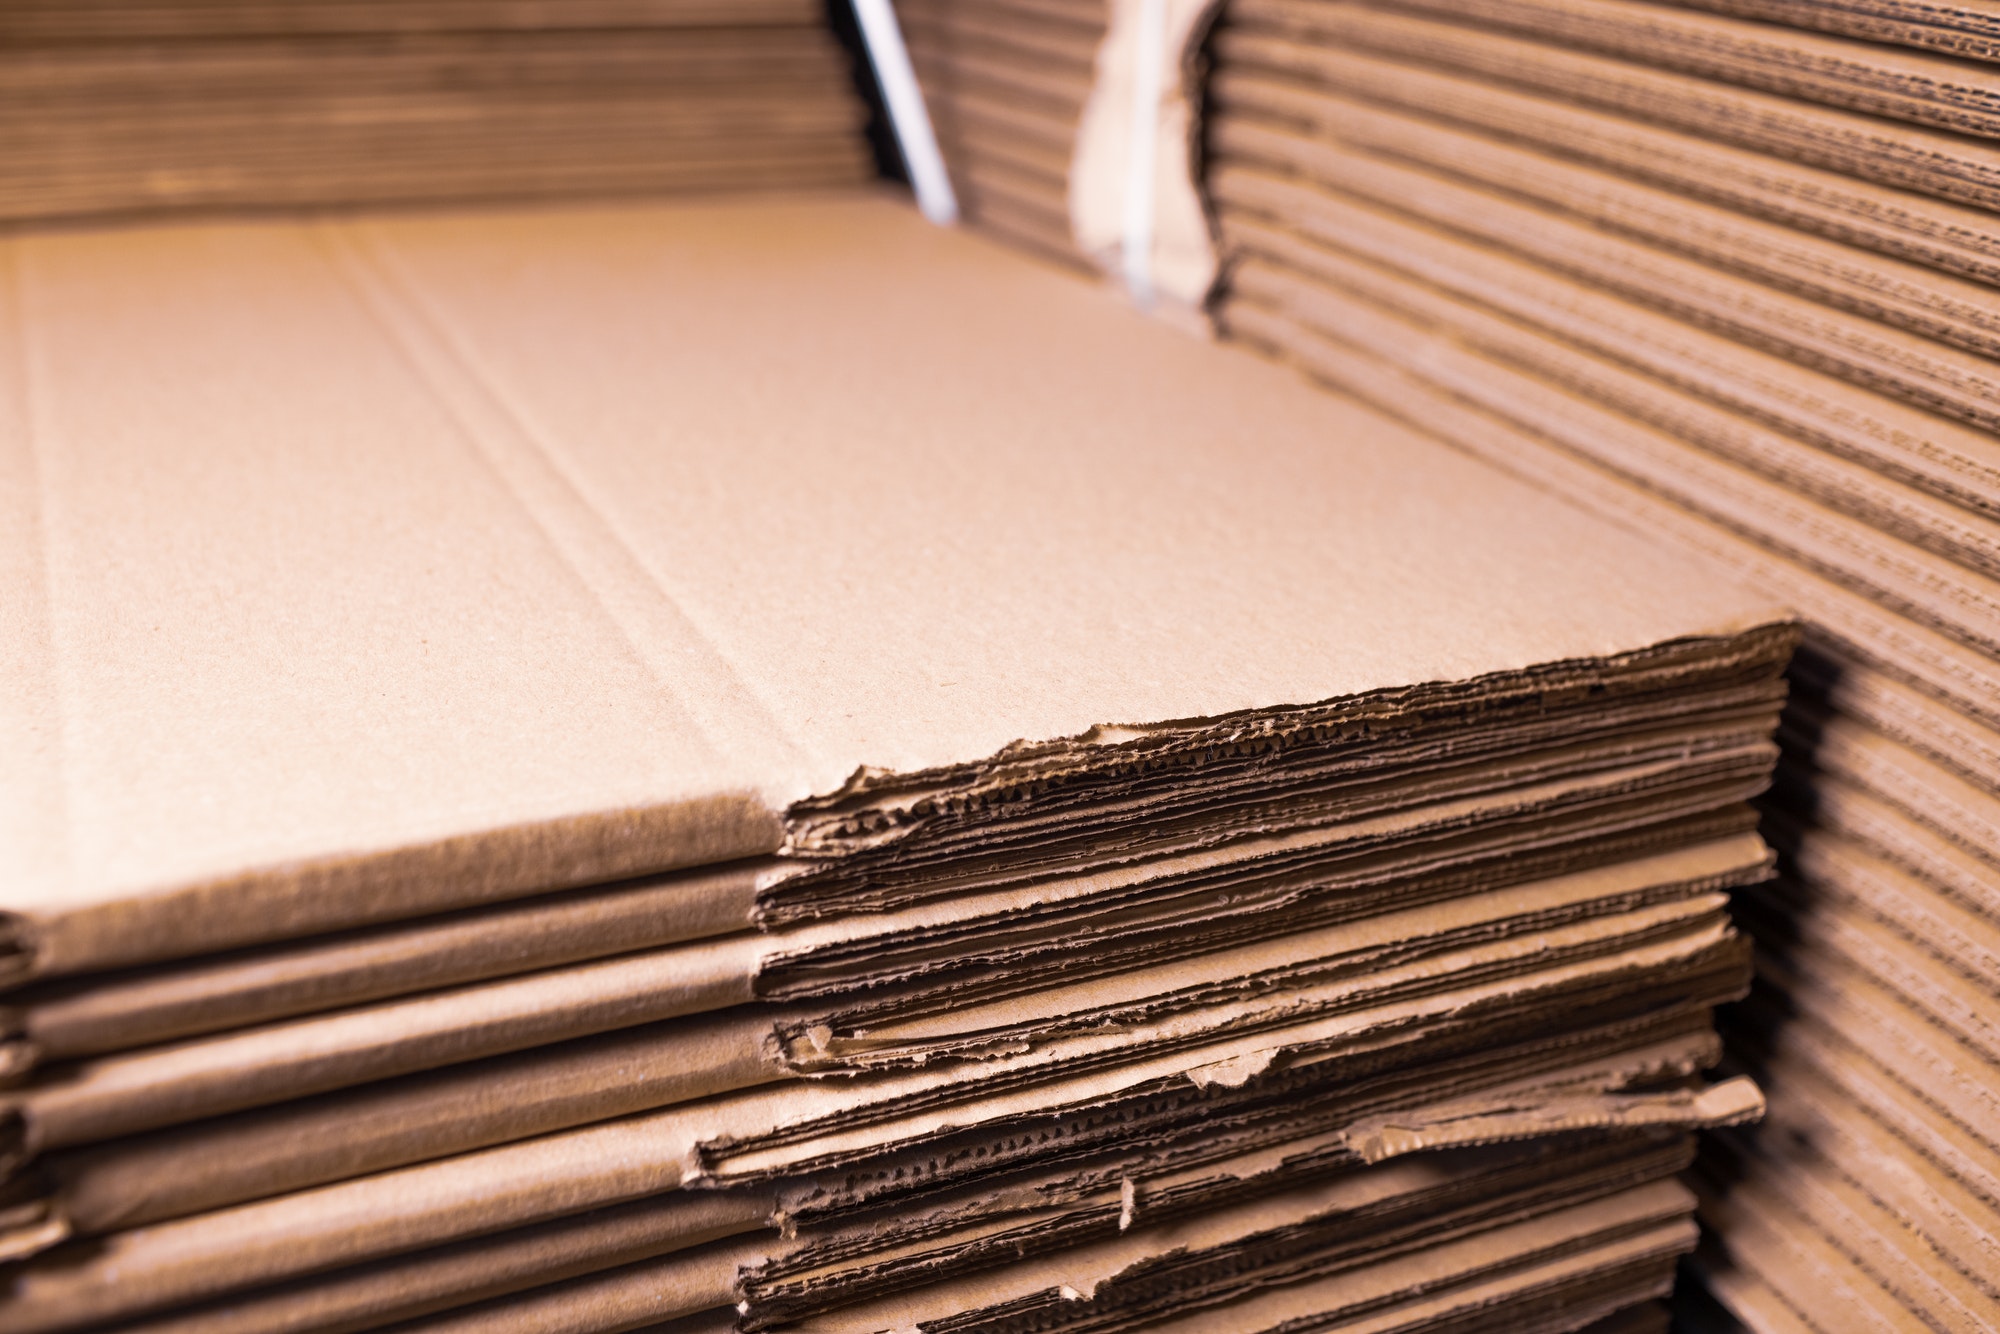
[
  {"x": 503, "y": 437},
  {"x": 31, "y": 652}
]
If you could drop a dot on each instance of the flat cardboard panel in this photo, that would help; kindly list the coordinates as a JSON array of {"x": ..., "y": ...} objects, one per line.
[{"x": 656, "y": 629}]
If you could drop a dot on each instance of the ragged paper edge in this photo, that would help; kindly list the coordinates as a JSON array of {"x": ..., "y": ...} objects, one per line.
[
  {"x": 30, "y": 1220},
  {"x": 878, "y": 807},
  {"x": 1488, "y": 1121},
  {"x": 1181, "y": 264}
]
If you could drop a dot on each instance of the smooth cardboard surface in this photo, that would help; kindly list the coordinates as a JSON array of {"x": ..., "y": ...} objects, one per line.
[{"x": 363, "y": 729}]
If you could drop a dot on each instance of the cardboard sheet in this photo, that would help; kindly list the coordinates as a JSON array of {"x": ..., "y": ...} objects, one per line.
[
  {"x": 684, "y": 732},
  {"x": 1913, "y": 368},
  {"x": 1636, "y": 800},
  {"x": 753, "y": 761},
  {"x": 1932, "y": 589},
  {"x": 445, "y": 1278},
  {"x": 70, "y": 20},
  {"x": 1901, "y": 85},
  {"x": 147, "y": 1178},
  {"x": 947, "y": 953},
  {"x": 1461, "y": 847},
  {"x": 1286, "y": 130},
  {"x": 1843, "y": 623},
  {"x": 1311, "y": 1226},
  {"x": 835, "y": 1260},
  {"x": 139, "y": 1008},
  {"x": 510, "y": 615}
]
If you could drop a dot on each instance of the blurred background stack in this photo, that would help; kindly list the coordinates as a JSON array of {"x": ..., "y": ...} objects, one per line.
[
  {"x": 126, "y": 106},
  {"x": 1733, "y": 276},
  {"x": 1005, "y": 84}
]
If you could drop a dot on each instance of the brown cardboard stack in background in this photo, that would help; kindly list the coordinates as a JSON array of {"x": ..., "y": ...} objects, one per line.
[
  {"x": 572, "y": 781},
  {"x": 1005, "y": 84},
  {"x": 117, "y": 106},
  {"x": 1732, "y": 281}
]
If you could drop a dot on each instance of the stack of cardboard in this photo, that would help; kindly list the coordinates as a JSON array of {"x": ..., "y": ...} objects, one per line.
[
  {"x": 1730, "y": 276},
  {"x": 1005, "y": 84},
  {"x": 124, "y": 105},
  {"x": 563, "y": 778}
]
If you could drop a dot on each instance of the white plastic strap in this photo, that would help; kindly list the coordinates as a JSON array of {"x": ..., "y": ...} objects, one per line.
[
  {"x": 1142, "y": 163},
  {"x": 883, "y": 37}
]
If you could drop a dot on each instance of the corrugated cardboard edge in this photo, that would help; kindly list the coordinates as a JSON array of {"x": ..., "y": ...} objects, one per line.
[{"x": 1491, "y": 1121}]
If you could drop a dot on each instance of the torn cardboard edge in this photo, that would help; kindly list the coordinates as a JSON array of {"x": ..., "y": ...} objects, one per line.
[
  {"x": 782, "y": 1131},
  {"x": 757, "y": 1046},
  {"x": 1700, "y": 761},
  {"x": 1341, "y": 870},
  {"x": 675, "y": 1221},
  {"x": 521, "y": 861}
]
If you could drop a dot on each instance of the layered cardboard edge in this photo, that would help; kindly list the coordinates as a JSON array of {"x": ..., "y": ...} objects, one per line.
[
  {"x": 305, "y": 898},
  {"x": 300, "y": 899},
  {"x": 1596, "y": 1098}
]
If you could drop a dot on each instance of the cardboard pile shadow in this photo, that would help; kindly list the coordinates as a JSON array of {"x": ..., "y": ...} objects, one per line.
[
  {"x": 123, "y": 106},
  {"x": 1729, "y": 276},
  {"x": 564, "y": 777}
]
